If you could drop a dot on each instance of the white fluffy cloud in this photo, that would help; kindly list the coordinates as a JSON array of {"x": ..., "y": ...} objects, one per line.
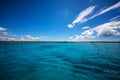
[
  {"x": 22, "y": 38},
  {"x": 5, "y": 36},
  {"x": 82, "y": 16},
  {"x": 81, "y": 37},
  {"x": 107, "y": 29}
]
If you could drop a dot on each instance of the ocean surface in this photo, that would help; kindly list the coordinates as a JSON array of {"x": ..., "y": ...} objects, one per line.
[{"x": 59, "y": 61}]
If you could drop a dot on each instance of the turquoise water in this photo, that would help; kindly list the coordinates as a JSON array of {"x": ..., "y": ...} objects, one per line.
[{"x": 59, "y": 61}]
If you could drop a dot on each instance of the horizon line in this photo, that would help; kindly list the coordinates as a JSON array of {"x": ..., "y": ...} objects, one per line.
[{"x": 69, "y": 41}]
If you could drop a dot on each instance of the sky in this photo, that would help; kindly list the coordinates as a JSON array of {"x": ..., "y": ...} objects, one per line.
[{"x": 59, "y": 20}]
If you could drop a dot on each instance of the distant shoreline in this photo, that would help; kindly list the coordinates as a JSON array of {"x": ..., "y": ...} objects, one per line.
[{"x": 59, "y": 41}]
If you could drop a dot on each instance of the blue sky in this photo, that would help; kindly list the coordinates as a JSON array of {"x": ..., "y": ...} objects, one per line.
[{"x": 59, "y": 20}]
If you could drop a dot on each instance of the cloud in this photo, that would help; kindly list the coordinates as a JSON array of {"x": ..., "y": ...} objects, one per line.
[
  {"x": 117, "y": 5},
  {"x": 70, "y": 25},
  {"x": 4, "y": 33},
  {"x": 85, "y": 35},
  {"x": 88, "y": 33},
  {"x": 86, "y": 27},
  {"x": 2, "y": 29},
  {"x": 82, "y": 16},
  {"x": 81, "y": 37},
  {"x": 115, "y": 18},
  {"x": 30, "y": 38},
  {"x": 107, "y": 29},
  {"x": 22, "y": 38},
  {"x": 6, "y": 36}
]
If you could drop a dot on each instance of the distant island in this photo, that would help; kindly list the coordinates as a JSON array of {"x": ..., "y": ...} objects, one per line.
[{"x": 59, "y": 41}]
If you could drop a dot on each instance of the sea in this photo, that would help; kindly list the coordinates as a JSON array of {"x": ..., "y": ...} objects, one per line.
[{"x": 59, "y": 61}]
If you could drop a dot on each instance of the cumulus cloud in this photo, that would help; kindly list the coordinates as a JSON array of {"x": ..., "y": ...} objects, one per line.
[
  {"x": 22, "y": 38},
  {"x": 82, "y": 16},
  {"x": 107, "y": 29},
  {"x": 6, "y": 36},
  {"x": 81, "y": 37}
]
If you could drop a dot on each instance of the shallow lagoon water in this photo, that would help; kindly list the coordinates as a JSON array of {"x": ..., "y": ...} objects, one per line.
[{"x": 59, "y": 61}]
